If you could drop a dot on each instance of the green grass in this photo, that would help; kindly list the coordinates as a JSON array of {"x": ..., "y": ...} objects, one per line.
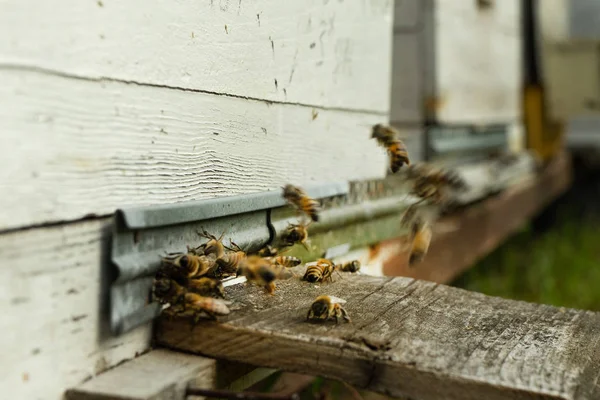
[{"x": 560, "y": 267}]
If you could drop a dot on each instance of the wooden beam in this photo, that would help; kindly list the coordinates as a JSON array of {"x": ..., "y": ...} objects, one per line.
[
  {"x": 165, "y": 375},
  {"x": 479, "y": 229},
  {"x": 407, "y": 338}
]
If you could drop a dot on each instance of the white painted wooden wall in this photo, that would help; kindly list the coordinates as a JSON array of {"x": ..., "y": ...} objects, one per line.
[
  {"x": 478, "y": 67},
  {"x": 468, "y": 59},
  {"x": 112, "y": 103}
]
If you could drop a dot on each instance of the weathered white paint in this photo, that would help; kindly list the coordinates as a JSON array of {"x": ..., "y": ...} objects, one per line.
[
  {"x": 71, "y": 148},
  {"x": 51, "y": 334},
  {"x": 478, "y": 62},
  {"x": 227, "y": 46}
]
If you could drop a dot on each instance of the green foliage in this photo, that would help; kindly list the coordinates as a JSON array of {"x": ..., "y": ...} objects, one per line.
[{"x": 560, "y": 267}]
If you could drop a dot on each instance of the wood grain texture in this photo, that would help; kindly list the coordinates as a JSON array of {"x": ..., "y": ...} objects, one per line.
[
  {"x": 434, "y": 341},
  {"x": 54, "y": 327},
  {"x": 479, "y": 229},
  {"x": 264, "y": 49},
  {"x": 73, "y": 147},
  {"x": 157, "y": 375},
  {"x": 478, "y": 62}
]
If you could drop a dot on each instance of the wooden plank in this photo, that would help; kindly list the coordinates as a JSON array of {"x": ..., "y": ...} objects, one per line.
[
  {"x": 434, "y": 341},
  {"x": 54, "y": 327},
  {"x": 264, "y": 49},
  {"x": 165, "y": 375},
  {"x": 478, "y": 62},
  {"x": 157, "y": 375},
  {"x": 466, "y": 236},
  {"x": 74, "y": 148}
]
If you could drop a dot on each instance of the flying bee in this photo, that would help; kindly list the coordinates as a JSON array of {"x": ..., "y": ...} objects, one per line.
[
  {"x": 165, "y": 290},
  {"x": 260, "y": 272},
  {"x": 303, "y": 203},
  {"x": 350, "y": 266},
  {"x": 268, "y": 251},
  {"x": 421, "y": 237},
  {"x": 320, "y": 271},
  {"x": 214, "y": 244},
  {"x": 184, "y": 266},
  {"x": 326, "y": 307},
  {"x": 389, "y": 138},
  {"x": 296, "y": 233},
  {"x": 206, "y": 287},
  {"x": 285, "y": 261}
]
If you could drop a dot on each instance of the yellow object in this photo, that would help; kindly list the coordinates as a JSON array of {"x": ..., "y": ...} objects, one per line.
[{"x": 543, "y": 136}]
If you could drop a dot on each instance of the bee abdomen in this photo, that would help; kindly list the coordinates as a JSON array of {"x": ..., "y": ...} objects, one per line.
[
  {"x": 311, "y": 207},
  {"x": 313, "y": 274},
  {"x": 398, "y": 156}
]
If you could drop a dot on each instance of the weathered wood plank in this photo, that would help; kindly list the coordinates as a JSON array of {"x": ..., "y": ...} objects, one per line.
[
  {"x": 264, "y": 49},
  {"x": 54, "y": 327},
  {"x": 477, "y": 62},
  {"x": 157, "y": 375},
  {"x": 469, "y": 234},
  {"x": 73, "y": 147},
  {"x": 440, "y": 342}
]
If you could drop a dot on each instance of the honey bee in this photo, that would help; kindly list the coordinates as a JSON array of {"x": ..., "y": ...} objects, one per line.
[
  {"x": 213, "y": 246},
  {"x": 229, "y": 263},
  {"x": 298, "y": 198},
  {"x": 320, "y": 271},
  {"x": 206, "y": 287},
  {"x": 285, "y": 261},
  {"x": 165, "y": 290},
  {"x": 268, "y": 251},
  {"x": 296, "y": 233},
  {"x": 350, "y": 266},
  {"x": 389, "y": 138},
  {"x": 200, "y": 305},
  {"x": 327, "y": 307},
  {"x": 421, "y": 237},
  {"x": 184, "y": 266},
  {"x": 260, "y": 272}
]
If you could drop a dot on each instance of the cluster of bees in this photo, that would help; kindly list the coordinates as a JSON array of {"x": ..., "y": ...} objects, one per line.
[{"x": 191, "y": 282}]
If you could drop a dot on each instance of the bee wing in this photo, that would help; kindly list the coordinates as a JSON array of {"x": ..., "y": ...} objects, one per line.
[{"x": 337, "y": 300}]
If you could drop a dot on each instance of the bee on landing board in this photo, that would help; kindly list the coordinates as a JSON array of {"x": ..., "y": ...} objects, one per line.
[
  {"x": 303, "y": 203},
  {"x": 184, "y": 266},
  {"x": 229, "y": 263},
  {"x": 319, "y": 271},
  {"x": 327, "y": 307},
  {"x": 389, "y": 138},
  {"x": 259, "y": 271},
  {"x": 350, "y": 266},
  {"x": 209, "y": 306},
  {"x": 206, "y": 287},
  {"x": 213, "y": 246},
  {"x": 165, "y": 290}
]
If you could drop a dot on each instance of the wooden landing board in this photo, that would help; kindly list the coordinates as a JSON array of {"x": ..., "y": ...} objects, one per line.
[
  {"x": 466, "y": 236},
  {"x": 435, "y": 341}
]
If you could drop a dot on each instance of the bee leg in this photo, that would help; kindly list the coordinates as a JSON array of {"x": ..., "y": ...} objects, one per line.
[
  {"x": 336, "y": 317},
  {"x": 211, "y": 315},
  {"x": 303, "y": 243},
  {"x": 308, "y": 314},
  {"x": 345, "y": 315}
]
